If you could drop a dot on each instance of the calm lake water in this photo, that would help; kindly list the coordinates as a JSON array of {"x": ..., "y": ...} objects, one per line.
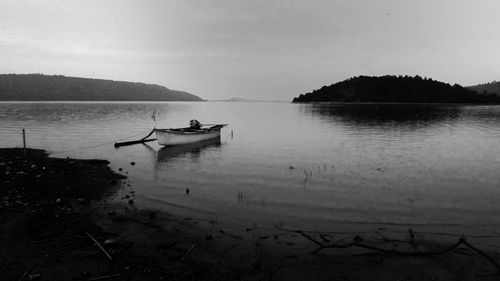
[{"x": 303, "y": 165}]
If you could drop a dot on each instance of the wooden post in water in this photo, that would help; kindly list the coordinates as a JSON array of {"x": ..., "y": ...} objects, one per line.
[
  {"x": 231, "y": 134},
  {"x": 24, "y": 144}
]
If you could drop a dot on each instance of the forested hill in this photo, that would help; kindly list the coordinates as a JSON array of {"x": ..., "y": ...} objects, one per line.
[
  {"x": 491, "y": 88},
  {"x": 395, "y": 89},
  {"x": 38, "y": 87}
]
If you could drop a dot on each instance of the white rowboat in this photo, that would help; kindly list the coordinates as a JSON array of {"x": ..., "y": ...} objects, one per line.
[{"x": 187, "y": 135}]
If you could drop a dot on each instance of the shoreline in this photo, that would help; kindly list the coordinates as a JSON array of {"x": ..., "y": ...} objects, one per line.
[{"x": 51, "y": 207}]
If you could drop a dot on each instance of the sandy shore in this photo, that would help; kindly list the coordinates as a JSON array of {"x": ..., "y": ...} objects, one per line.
[{"x": 51, "y": 210}]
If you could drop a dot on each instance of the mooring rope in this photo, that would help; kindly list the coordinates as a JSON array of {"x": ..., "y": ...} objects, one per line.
[{"x": 100, "y": 144}]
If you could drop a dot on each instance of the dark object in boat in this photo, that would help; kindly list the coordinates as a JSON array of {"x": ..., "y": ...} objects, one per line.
[{"x": 194, "y": 124}]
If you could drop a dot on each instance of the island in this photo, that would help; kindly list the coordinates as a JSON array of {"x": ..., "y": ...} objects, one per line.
[
  {"x": 396, "y": 89},
  {"x": 39, "y": 87}
]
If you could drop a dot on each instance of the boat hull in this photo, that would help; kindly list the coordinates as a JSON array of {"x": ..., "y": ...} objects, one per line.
[{"x": 168, "y": 137}]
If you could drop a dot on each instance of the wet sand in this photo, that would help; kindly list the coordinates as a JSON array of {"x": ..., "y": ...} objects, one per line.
[{"x": 51, "y": 210}]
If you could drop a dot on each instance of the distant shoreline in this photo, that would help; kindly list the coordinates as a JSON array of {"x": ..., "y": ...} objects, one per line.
[
  {"x": 394, "y": 103},
  {"x": 98, "y": 101},
  {"x": 34, "y": 87},
  {"x": 399, "y": 89},
  {"x": 129, "y": 101}
]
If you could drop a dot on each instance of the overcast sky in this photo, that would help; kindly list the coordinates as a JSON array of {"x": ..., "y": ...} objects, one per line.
[{"x": 271, "y": 50}]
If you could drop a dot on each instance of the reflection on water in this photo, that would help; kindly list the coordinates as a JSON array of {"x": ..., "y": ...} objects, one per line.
[
  {"x": 314, "y": 164},
  {"x": 487, "y": 116},
  {"x": 384, "y": 115},
  {"x": 188, "y": 151}
]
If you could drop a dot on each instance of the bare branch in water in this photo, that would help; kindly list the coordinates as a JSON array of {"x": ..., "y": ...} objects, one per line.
[{"x": 358, "y": 242}]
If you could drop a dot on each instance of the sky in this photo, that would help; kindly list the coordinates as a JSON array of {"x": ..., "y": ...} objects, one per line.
[{"x": 262, "y": 49}]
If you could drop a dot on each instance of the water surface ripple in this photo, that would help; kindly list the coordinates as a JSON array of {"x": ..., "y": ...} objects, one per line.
[{"x": 298, "y": 164}]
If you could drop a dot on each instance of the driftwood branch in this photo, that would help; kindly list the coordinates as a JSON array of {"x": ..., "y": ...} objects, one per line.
[
  {"x": 105, "y": 277},
  {"x": 465, "y": 242},
  {"x": 231, "y": 247},
  {"x": 100, "y": 247},
  {"x": 358, "y": 242},
  {"x": 24, "y": 274},
  {"x": 188, "y": 252}
]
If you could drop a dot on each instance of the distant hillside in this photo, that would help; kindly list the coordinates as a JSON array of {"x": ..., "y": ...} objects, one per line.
[
  {"x": 38, "y": 87},
  {"x": 238, "y": 99},
  {"x": 395, "y": 89},
  {"x": 492, "y": 88}
]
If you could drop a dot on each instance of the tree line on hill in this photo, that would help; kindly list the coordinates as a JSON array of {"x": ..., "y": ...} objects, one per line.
[
  {"x": 36, "y": 87},
  {"x": 487, "y": 88},
  {"x": 391, "y": 88}
]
